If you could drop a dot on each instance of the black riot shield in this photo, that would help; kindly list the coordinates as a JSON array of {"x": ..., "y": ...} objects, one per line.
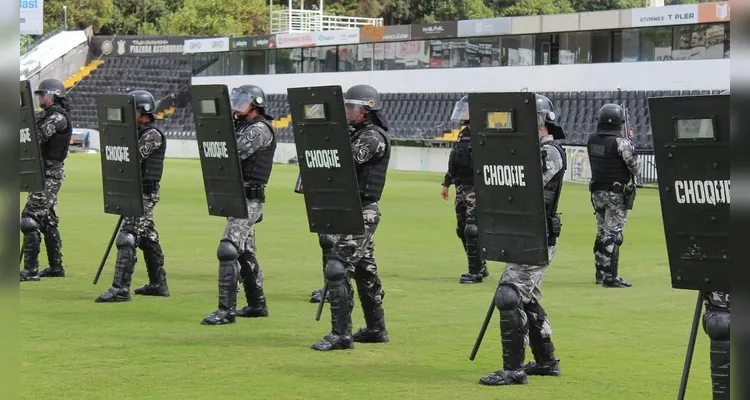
[
  {"x": 691, "y": 149},
  {"x": 321, "y": 135},
  {"x": 217, "y": 145},
  {"x": 121, "y": 160},
  {"x": 508, "y": 177},
  {"x": 32, "y": 169}
]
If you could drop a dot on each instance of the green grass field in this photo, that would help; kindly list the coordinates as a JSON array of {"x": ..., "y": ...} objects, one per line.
[{"x": 613, "y": 344}]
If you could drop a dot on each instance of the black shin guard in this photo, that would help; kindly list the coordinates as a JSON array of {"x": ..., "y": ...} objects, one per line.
[
  {"x": 252, "y": 279},
  {"x": 341, "y": 297},
  {"x": 473, "y": 253},
  {"x": 31, "y": 244},
  {"x": 154, "y": 258},
  {"x": 227, "y": 255},
  {"x": 126, "y": 259},
  {"x": 513, "y": 327},
  {"x": 371, "y": 299},
  {"x": 716, "y": 323},
  {"x": 461, "y": 235},
  {"x": 539, "y": 339},
  {"x": 53, "y": 245}
]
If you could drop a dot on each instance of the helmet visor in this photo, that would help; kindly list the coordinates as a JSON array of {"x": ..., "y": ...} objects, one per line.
[
  {"x": 461, "y": 110},
  {"x": 44, "y": 98},
  {"x": 240, "y": 100}
]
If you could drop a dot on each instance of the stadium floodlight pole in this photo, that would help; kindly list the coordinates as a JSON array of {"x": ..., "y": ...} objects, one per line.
[
  {"x": 65, "y": 17},
  {"x": 106, "y": 252},
  {"x": 691, "y": 347},
  {"x": 485, "y": 324}
]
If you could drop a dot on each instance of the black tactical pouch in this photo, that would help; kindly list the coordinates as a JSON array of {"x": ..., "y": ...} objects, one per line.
[
  {"x": 628, "y": 195},
  {"x": 554, "y": 227},
  {"x": 256, "y": 193}
]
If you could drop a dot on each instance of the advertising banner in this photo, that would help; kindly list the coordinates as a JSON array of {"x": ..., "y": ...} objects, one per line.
[{"x": 32, "y": 17}]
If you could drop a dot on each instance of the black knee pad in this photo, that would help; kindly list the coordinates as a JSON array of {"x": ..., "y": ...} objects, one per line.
[
  {"x": 227, "y": 251},
  {"x": 716, "y": 325},
  {"x": 29, "y": 225},
  {"x": 326, "y": 241},
  {"x": 335, "y": 270},
  {"x": 125, "y": 239},
  {"x": 507, "y": 298},
  {"x": 471, "y": 231},
  {"x": 619, "y": 239}
]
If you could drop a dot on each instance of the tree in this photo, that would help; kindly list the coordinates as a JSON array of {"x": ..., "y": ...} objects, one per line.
[
  {"x": 81, "y": 14},
  {"x": 217, "y": 17}
]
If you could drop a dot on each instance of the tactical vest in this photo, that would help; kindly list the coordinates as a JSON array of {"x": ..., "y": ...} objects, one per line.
[
  {"x": 552, "y": 191},
  {"x": 256, "y": 169},
  {"x": 461, "y": 160},
  {"x": 607, "y": 166},
  {"x": 56, "y": 148},
  {"x": 371, "y": 175},
  {"x": 152, "y": 166}
]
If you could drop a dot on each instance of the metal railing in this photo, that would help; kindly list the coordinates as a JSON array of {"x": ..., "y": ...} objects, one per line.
[{"x": 294, "y": 21}]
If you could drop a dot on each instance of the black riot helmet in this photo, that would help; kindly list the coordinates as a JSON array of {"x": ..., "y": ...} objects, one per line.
[
  {"x": 362, "y": 101},
  {"x": 460, "y": 112},
  {"x": 545, "y": 111},
  {"x": 49, "y": 92},
  {"x": 245, "y": 96},
  {"x": 611, "y": 115},
  {"x": 144, "y": 102}
]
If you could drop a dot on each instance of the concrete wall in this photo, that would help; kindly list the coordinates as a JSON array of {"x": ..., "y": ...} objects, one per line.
[
  {"x": 666, "y": 75},
  {"x": 63, "y": 67}
]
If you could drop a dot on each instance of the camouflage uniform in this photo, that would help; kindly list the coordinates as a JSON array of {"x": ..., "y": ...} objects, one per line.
[
  {"x": 140, "y": 232},
  {"x": 38, "y": 215},
  {"x": 716, "y": 324},
  {"x": 237, "y": 244},
  {"x": 523, "y": 321},
  {"x": 354, "y": 256},
  {"x": 611, "y": 216}
]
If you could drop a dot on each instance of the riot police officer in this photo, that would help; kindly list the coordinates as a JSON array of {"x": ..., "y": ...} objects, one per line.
[
  {"x": 613, "y": 166},
  {"x": 354, "y": 255},
  {"x": 54, "y": 129},
  {"x": 460, "y": 173},
  {"x": 256, "y": 145},
  {"x": 140, "y": 232},
  {"x": 519, "y": 292}
]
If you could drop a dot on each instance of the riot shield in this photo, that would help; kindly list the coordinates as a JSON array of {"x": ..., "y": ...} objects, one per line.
[
  {"x": 321, "y": 136},
  {"x": 32, "y": 168},
  {"x": 217, "y": 145},
  {"x": 691, "y": 150},
  {"x": 508, "y": 182},
  {"x": 121, "y": 160}
]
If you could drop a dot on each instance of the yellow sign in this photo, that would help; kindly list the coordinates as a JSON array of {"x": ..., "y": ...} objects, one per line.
[{"x": 499, "y": 120}]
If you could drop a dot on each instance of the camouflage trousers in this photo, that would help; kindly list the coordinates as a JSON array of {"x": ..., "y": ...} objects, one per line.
[
  {"x": 466, "y": 215},
  {"x": 144, "y": 232},
  {"x": 611, "y": 216},
  {"x": 40, "y": 206},
  {"x": 357, "y": 253},
  {"x": 241, "y": 233},
  {"x": 527, "y": 280}
]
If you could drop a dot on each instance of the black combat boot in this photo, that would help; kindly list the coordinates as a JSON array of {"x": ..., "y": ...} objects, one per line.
[
  {"x": 342, "y": 303},
  {"x": 611, "y": 280},
  {"x": 226, "y": 313},
  {"x": 374, "y": 331},
  {"x": 157, "y": 275},
  {"x": 31, "y": 249},
  {"x": 124, "y": 266},
  {"x": 512, "y": 334},
  {"x": 252, "y": 282},
  {"x": 317, "y": 294},
  {"x": 53, "y": 245},
  {"x": 545, "y": 363}
]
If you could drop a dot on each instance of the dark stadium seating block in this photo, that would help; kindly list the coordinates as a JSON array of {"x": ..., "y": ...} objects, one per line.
[{"x": 410, "y": 115}]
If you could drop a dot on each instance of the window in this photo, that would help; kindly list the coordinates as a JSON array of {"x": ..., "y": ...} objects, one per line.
[
  {"x": 715, "y": 41},
  {"x": 575, "y": 48},
  {"x": 601, "y": 47},
  {"x": 411, "y": 55},
  {"x": 689, "y": 42},
  {"x": 247, "y": 62},
  {"x": 518, "y": 50},
  {"x": 285, "y": 61},
  {"x": 726, "y": 40},
  {"x": 649, "y": 44},
  {"x": 319, "y": 59},
  {"x": 364, "y": 57}
]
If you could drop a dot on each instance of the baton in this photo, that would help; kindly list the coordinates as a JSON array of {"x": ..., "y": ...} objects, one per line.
[
  {"x": 485, "y": 324},
  {"x": 106, "y": 252},
  {"x": 322, "y": 300},
  {"x": 691, "y": 347}
]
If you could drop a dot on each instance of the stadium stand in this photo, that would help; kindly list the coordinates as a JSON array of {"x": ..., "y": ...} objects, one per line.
[{"x": 411, "y": 115}]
